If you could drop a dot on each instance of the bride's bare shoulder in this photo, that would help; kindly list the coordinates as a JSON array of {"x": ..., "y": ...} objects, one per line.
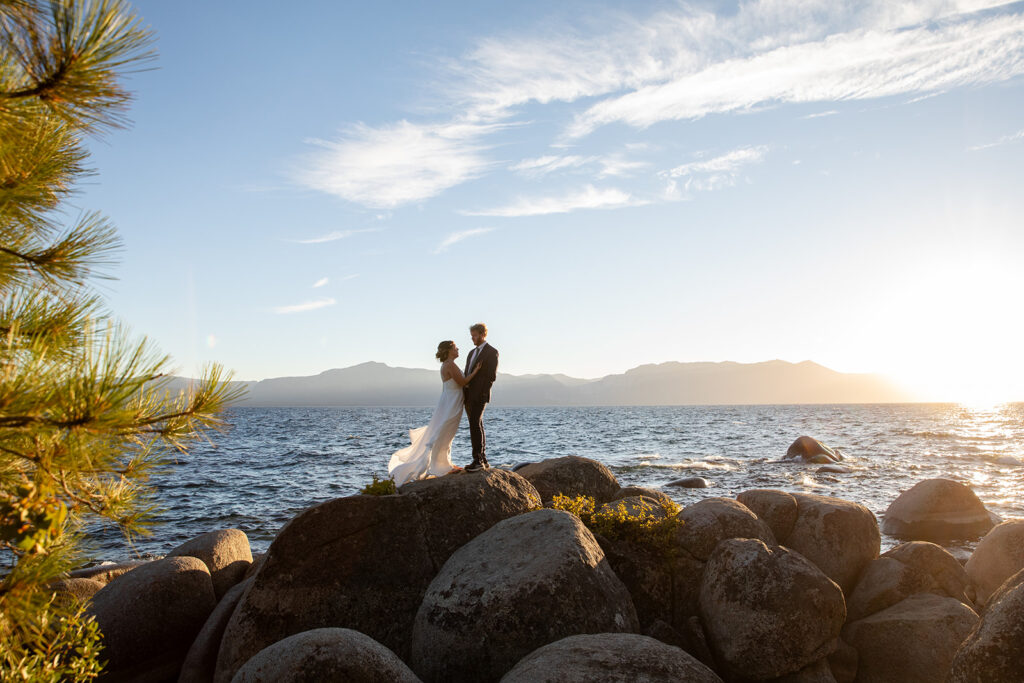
[{"x": 446, "y": 369}]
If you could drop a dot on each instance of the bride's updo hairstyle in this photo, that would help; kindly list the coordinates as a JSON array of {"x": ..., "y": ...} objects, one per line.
[{"x": 443, "y": 349}]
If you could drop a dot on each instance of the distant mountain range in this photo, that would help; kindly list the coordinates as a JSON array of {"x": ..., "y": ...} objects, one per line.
[{"x": 770, "y": 382}]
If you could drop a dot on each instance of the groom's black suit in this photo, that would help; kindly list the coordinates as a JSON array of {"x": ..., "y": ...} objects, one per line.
[{"x": 477, "y": 394}]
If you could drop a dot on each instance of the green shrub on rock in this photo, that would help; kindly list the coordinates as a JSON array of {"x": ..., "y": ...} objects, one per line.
[
  {"x": 652, "y": 526},
  {"x": 380, "y": 487}
]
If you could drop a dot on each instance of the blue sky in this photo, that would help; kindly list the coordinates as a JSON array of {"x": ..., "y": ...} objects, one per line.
[{"x": 603, "y": 184}]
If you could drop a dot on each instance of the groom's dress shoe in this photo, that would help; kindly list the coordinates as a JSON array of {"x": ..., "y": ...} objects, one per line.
[{"x": 474, "y": 466}]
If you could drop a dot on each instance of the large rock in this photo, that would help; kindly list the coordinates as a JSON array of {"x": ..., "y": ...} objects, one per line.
[
  {"x": 838, "y": 536},
  {"x": 571, "y": 476},
  {"x": 937, "y": 510},
  {"x": 998, "y": 556},
  {"x": 690, "y": 483},
  {"x": 609, "y": 658},
  {"x": 1007, "y": 586},
  {"x": 527, "y": 582},
  {"x": 226, "y": 553},
  {"x": 767, "y": 611},
  {"x": 364, "y": 562},
  {"x": 914, "y": 640},
  {"x": 326, "y": 654},
  {"x": 907, "y": 569},
  {"x": 994, "y": 651},
  {"x": 811, "y": 450},
  {"x": 777, "y": 509},
  {"x": 665, "y": 583},
  {"x": 712, "y": 520},
  {"x": 153, "y": 611},
  {"x": 200, "y": 663}
]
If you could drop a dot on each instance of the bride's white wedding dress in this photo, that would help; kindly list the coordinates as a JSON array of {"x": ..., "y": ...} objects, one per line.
[{"x": 431, "y": 449}]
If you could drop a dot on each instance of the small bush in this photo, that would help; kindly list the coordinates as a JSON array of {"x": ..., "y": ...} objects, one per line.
[
  {"x": 380, "y": 487},
  {"x": 620, "y": 524}
]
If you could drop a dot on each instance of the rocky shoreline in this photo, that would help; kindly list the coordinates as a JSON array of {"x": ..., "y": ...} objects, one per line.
[{"x": 478, "y": 577}]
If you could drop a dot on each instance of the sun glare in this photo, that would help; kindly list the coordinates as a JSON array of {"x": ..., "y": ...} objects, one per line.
[{"x": 958, "y": 337}]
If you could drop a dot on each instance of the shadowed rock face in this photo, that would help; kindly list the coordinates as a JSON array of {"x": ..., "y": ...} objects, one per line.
[
  {"x": 201, "y": 661},
  {"x": 767, "y": 611},
  {"x": 994, "y": 650},
  {"x": 665, "y": 583},
  {"x": 907, "y": 569},
  {"x": 609, "y": 658},
  {"x": 153, "y": 611},
  {"x": 998, "y": 557},
  {"x": 937, "y": 510},
  {"x": 364, "y": 562},
  {"x": 571, "y": 476},
  {"x": 526, "y": 582},
  {"x": 663, "y": 587},
  {"x": 226, "y": 553},
  {"x": 811, "y": 450},
  {"x": 326, "y": 654},
  {"x": 914, "y": 640}
]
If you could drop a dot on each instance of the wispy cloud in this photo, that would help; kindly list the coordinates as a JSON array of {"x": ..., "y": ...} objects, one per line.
[
  {"x": 589, "y": 197},
  {"x": 456, "y": 237},
  {"x": 320, "y": 283},
  {"x": 305, "y": 306},
  {"x": 822, "y": 114},
  {"x": 681, "y": 63},
  {"x": 395, "y": 164},
  {"x": 561, "y": 63},
  {"x": 541, "y": 166},
  {"x": 849, "y": 66},
  {"x": 616, "y": 166},
  {"x": 714, "y": 173},
  {"x": 1005, "y": 140},
  {"x": 336, "y": 235}
]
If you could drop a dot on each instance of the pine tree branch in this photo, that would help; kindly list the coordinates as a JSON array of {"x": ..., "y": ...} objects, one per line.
[
  {"x": 72, "y": 259},
  {"x": 72, "y": 59}
]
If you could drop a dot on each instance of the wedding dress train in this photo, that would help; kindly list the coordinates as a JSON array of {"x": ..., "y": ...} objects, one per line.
[{"x": 431, "y": 449}]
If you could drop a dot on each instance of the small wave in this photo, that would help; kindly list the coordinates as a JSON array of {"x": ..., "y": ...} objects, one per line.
[
  {"x": 698, "y": 465},
  {"x": 926, "y": 434},
  {"x": 517, "y": 451}
]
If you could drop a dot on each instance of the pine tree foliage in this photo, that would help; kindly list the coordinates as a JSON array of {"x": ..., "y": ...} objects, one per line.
[{"x": 86, "y": 418}]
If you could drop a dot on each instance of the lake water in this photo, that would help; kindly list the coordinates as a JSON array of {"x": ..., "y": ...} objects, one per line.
[{"x": 275, "y": 462}]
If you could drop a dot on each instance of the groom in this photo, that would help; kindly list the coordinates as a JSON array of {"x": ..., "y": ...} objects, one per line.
[{"x": 478, "y": 392}]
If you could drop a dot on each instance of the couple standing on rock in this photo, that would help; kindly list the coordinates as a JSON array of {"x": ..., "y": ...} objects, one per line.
[{"x": 431, "y": 448}]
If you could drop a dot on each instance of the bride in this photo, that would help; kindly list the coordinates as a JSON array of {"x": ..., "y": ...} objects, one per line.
[{"x": 431, "y": 449}]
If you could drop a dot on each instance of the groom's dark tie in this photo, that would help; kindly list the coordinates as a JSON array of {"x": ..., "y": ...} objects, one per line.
[{"x": 472, "y": 357}]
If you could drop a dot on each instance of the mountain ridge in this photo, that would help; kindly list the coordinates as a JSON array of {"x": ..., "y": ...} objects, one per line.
[{"x": 373, "y": 383}]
